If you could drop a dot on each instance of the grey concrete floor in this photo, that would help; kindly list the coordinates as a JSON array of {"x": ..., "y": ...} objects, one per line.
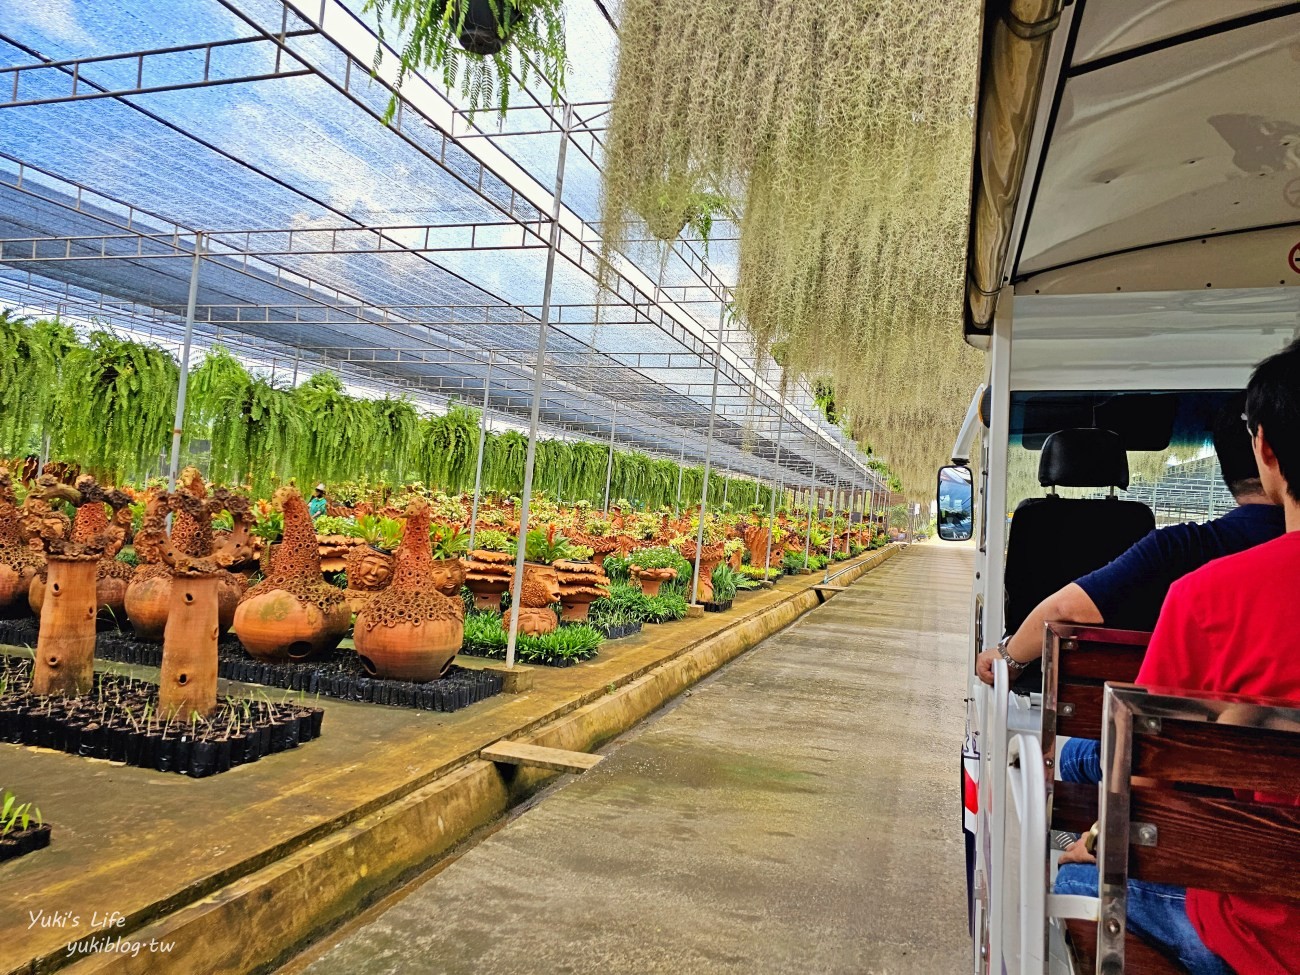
[{"x": 798, "y": 813}]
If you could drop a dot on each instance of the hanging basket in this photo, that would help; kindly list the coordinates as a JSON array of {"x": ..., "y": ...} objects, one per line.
[{"x": 482, "y": 33}]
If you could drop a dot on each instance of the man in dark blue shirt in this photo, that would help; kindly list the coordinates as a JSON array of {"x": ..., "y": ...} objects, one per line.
[{"x": 1128, "y": 592}]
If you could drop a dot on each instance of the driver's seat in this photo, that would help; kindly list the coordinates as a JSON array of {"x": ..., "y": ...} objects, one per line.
[{"x": 1055, "y": 540}]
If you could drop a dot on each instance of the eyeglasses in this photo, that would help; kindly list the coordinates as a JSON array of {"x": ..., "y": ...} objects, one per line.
[{"x": 1250, "y": 429}]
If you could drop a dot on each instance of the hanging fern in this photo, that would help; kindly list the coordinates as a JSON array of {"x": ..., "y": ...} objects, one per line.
[
  {"x": 31, "y": 353},
  {"x": 431, "y": 28},
  {"x": 116, "y": 404}
]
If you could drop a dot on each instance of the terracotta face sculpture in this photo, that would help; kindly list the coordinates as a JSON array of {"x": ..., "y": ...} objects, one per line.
[{"x": 374, "y": 570}]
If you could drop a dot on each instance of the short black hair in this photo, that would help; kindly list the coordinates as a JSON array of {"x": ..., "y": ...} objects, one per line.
[
  {"x": 1273, "y": 402},
  {"x": 1233, "y": 447}
]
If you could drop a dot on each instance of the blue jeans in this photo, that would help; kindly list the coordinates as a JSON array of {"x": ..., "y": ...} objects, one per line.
[
  {"x": 1156, "y": 912},
  {"x": 1079, "y": 760}
]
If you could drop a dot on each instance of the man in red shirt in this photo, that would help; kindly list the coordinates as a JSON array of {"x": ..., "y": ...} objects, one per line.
[{"x": 1231, "y": 627}]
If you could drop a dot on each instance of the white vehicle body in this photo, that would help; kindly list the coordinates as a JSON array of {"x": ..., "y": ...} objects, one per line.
[{"x": 1135, "y": 225}]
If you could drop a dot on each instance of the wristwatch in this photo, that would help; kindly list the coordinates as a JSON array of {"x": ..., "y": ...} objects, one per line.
[{"x": 1013, "y": 665}]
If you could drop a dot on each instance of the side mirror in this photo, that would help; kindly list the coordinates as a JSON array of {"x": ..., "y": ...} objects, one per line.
[{"x": 956, "y": 498}]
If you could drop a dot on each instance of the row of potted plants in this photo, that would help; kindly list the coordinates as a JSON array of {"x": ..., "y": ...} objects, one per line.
[{"x": 22, "y": 828}]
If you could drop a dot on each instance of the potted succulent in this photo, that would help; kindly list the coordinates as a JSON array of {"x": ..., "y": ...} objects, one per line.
[
  {"x": 581, "y": 583},
  {"x": 652, "y": 567},
  {"x": 448, "y": 543},
  {"x": 488, "y": 568},
  {"x": 541, "y": 583}
]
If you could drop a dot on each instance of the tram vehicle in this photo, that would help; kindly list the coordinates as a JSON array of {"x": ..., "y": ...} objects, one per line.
[{"x": 1134, "y": 251}]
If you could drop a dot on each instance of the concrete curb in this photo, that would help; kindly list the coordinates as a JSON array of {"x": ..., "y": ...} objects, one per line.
[{"x": 261, "y": 919}]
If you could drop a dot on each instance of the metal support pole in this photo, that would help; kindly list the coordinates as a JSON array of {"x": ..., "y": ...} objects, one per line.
[
  {"x": 726, "y": 485},
  {"x": 708, "y": 459},
  {"x": 174, "y": 467},
  {"x": 530, "y": 458},
  {"x": 681, "y": 469},
  {"x": 807, "y": 541},
  {"x": 482, "y": 442},
  {"x": 609, "y": 467},
  {"x": 776, "y": 487},
  {"x": 830, "y": 552}
]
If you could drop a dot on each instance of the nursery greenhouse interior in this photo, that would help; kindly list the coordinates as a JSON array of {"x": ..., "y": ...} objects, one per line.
[{"x": 468, "y": 476}]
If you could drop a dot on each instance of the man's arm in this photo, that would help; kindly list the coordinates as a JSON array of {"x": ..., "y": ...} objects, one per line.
[{"x": 1069, "y": 605}]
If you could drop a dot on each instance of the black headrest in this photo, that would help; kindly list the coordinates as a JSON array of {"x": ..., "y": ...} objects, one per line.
[{"x": 1083, "y": 457}]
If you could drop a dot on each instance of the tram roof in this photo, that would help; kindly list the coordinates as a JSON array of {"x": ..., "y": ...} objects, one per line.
[{"x": 1138, "y": 177}]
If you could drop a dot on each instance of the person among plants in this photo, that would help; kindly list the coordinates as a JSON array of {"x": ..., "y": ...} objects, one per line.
[{"x": 318, "y": 503}]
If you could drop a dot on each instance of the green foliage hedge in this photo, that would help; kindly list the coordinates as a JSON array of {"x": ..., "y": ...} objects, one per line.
[{"x": 108, "y": 403}]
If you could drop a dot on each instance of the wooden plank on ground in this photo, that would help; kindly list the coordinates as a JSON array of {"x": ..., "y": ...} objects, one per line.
[
  {"x": 824, "y": 591},
  {"x": 538, "y": 756}
]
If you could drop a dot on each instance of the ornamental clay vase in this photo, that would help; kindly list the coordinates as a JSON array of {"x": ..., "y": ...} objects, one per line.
[
  {"x": 111, "y": 576},
  {"x": 19, "y": 562},
  {"x": 541, "y": 591},
  {"x": 149, "y": 592},
  {"x": 65, "y": 645},
  {"x": 756, "y": 539},
  {"x": 411, "y": 631},
  {"x": 487, "y": 576},
  {"x": 651, "y": 579},
  {"x": 710, "y": 556},
  {"x": 370, "y": 570},
  {"x": 581, "y": 583},
  {"x": 198, "y": 561},
  {"x": 293, "y": 613}
]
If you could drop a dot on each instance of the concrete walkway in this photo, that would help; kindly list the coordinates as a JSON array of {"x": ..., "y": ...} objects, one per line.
[{"x": 797, "y": 813}]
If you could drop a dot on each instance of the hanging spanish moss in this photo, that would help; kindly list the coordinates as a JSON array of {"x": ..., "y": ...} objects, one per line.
[{"x": 842, "y": 129}]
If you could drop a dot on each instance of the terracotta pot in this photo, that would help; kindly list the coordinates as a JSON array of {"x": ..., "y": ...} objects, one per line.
[
  {"x": 148, "y": 600},
  {"x": 276, "y": 624},
  {"x": 15, "y": 582},
  {"x": 188, "y": 681},
  {"x": 651, "y": 579},
  {"x": 419, "y": 652},
  {"x": 65, "y": 645},
  {"x": 412, "y": 630},
  {"x": 112, "y": 579},
  {"x": 734, "y": 560},
  {"x": 447, "y": 575},
  {"x": 487, "y": 576},
  {"x": 581, "y": 583},
  {"x": 704, "y": 591},
  {"x": 293, "y": 613}
]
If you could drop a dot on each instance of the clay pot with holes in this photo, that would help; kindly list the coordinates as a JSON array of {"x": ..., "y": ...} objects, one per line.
[
  {"x": 188, "y": 681},
  {"x": 65, "y": 645},
  {"x": 411, "y": 631},
  {"x": 149, "y": 596},
  {"x": 293, "y": 613}
]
